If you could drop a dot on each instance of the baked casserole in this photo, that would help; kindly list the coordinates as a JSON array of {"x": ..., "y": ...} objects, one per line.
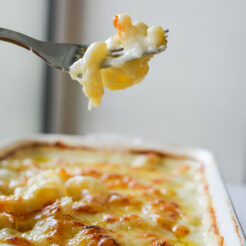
[{"x": 58, "y": 194}]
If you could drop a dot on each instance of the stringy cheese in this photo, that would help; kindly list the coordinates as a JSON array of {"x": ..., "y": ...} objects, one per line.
[
  {"x": 136, "y": 39},
  {"x": 53, "y": 195}
]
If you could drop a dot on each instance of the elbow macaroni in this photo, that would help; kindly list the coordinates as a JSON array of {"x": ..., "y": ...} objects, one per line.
[{"x": 136, "y": 39}]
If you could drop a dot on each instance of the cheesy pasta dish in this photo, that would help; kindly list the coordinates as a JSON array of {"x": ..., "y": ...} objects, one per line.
[
  {"x": 54, "y": 194},
  {"x": 124, "y": 71}
]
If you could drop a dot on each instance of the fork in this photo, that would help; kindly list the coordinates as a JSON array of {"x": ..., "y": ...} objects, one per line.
[{"x": 61, "y": 55}]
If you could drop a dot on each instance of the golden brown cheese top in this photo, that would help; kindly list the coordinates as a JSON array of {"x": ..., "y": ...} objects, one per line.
[{"x": 51, "y": 195}]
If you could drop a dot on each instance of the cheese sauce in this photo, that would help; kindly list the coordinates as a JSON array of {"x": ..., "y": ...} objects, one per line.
[
  {"x": 135, "y": 39},
  {"x": 56, "y": 195}
]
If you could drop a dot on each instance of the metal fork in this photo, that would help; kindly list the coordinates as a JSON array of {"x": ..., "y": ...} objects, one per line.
[{"x": 60, "y": 55}]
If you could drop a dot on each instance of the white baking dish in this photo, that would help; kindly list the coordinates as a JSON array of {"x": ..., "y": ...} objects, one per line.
[{"x": 227, "y": 222}]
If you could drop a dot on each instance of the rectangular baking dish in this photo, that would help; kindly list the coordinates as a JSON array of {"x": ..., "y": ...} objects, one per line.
[{"x": 226, "y": 220}]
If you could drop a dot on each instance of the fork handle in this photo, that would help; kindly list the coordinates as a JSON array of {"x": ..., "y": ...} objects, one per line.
[
  {"x": 58, "y": 55},
  {"x": 19, "y": 39}
]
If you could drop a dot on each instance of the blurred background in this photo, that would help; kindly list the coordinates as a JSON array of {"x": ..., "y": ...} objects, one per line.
[{"x": 194, "y": 93}]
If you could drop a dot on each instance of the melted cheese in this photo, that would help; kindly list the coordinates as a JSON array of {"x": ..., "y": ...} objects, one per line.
[
  {"x": 136, "y": 39},
  {"x": 64, "y": 196}
]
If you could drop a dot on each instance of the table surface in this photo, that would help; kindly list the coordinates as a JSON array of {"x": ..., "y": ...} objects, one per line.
[{"x": 238, "y": 196}]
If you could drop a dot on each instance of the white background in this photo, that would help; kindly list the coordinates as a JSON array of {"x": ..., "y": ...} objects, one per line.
[{"x": 21, "y": 72}]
